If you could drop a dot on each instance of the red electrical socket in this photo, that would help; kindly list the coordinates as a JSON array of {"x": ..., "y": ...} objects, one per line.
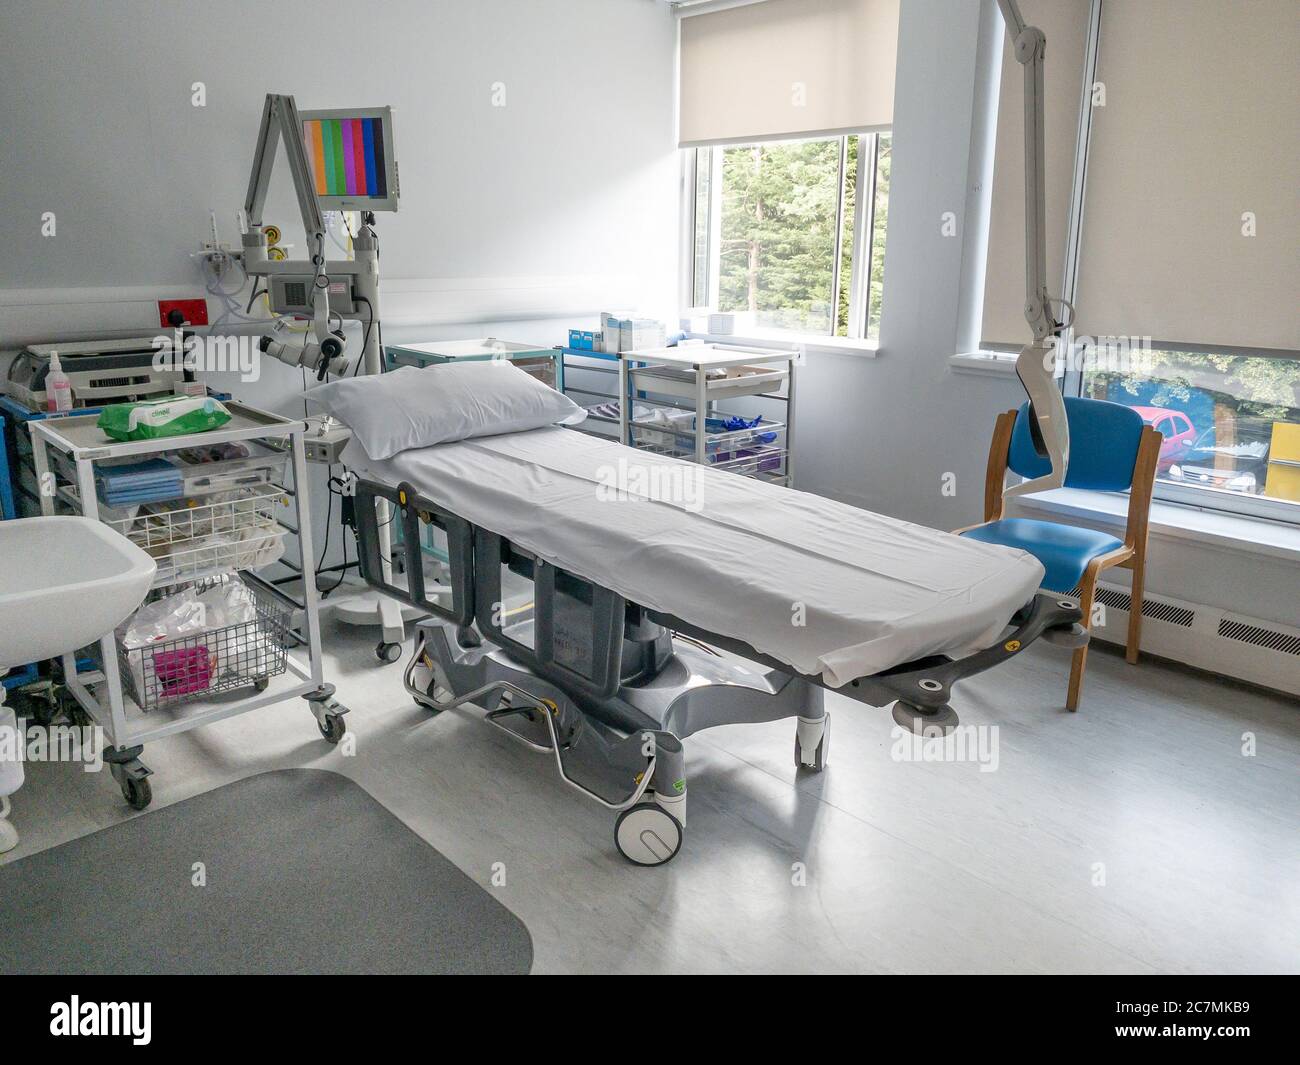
[{"x": 195, "y": 312}]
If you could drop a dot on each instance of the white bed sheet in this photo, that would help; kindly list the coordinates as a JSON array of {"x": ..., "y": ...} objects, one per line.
[{"x": 827, "y": 588}]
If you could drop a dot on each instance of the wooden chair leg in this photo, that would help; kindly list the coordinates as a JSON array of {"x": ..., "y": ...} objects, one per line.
[
  {"x": 1087, "y": 590},
  {"x": 1135, "y": 611}
]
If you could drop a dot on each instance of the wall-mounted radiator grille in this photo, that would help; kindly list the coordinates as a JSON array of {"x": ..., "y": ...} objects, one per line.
[
  {"x": 1159, "y": 609},
  {"x": 1261, "y": 637},
  {"x": 1247, "y": 648}
]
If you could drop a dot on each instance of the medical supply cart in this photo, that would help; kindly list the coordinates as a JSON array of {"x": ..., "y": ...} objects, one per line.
[
  {"x": 669, "y": 402},
  {"x": 224, "y": 523},
  {"x": 602, "y": 415},
  {"x": 542, "y": 363}
]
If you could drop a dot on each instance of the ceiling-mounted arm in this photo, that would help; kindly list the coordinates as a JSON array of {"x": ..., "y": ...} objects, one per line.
[{"x": 1035, "y": 366}]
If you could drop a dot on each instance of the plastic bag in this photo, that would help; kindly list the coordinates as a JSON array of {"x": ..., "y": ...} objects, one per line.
[{"x": 169, "y": 618}]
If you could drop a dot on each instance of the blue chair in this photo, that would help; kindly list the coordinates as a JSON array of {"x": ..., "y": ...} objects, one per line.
[{"x": 1111, "y": 450}]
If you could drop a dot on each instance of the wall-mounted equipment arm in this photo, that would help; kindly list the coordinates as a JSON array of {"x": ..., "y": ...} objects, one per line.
[
  {"x": 1035, "y": 365},
  {"x": 280, "y": 123}
]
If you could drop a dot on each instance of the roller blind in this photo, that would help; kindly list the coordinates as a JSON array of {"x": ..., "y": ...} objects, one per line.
[
  {"x": 1199, "y": 128},
  {"x": 1065, "y": 25},
  {"x": 787, "y": 68}
]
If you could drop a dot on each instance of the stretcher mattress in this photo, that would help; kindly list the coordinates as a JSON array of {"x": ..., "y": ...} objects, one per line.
[{"x": 827, "y": 588}]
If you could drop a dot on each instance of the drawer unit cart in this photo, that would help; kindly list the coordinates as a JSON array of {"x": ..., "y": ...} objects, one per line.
[
  {"x": 223, "y": 525},
  {"x": 668, "y": 402},
  {"x": 545, "y": 364}
]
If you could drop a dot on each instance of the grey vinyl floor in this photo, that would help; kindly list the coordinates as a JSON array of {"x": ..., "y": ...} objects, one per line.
[{"x": 1137, "y": 835}]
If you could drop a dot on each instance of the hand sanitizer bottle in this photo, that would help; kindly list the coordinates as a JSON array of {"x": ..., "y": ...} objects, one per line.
[{"x": 58, "y": 389}]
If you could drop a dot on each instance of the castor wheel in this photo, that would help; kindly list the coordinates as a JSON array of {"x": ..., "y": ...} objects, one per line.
[
  {"x": 812, "y": 740},
  {"x": 647, "y": 834},
  {"x": 262, "y": 683},
  {"x": 333, "y": 727},
  {"x": 44, "y": 710},
  {"x": 137, "y": 792},
  {"x": 78, "y": 716},
  {"x": 438, "y": 690},
  {"x": 925, "y": 721},
  {"x": 388, "y": 652}
]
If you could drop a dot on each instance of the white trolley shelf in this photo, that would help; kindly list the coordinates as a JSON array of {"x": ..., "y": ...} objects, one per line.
[
  {"x": 668, "y": 402},
  {"x": 216, "y": 531}
]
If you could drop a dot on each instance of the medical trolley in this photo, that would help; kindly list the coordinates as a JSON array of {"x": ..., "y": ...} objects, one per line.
[
  {"x": 543, "y": 363},
  {"x": 668, "y": 402},
  {"x": 224, "y": 521}
]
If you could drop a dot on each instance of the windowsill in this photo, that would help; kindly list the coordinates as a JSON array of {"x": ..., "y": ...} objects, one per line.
[
  {"x": 995, "y": 363},
  {"x": 1176, "y": 521},
  {"x": 772, "y": 338}
]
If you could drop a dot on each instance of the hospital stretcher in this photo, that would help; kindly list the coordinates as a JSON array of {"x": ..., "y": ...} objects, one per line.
[{"x": 630, "y": 596}]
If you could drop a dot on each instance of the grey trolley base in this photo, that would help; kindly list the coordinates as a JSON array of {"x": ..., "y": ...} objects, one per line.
[
  {"x": 607, "y": 688},
  {"x": 99, "y": 693}
]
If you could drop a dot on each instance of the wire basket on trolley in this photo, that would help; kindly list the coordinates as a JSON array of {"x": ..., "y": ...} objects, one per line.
[
  {"x": 216, "y": 660},
  {"x": 190, "y": 540}
]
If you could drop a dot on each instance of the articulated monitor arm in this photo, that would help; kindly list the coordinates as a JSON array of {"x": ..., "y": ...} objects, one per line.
[
  {"x": 280, "y": 123},
  {"x": 1035, "y": 365}
]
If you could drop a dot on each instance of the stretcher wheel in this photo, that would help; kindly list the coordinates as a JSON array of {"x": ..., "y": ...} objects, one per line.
[
  {"x": 137, "y": 792},
  {"x": 388, "y": 652},
  {"x": 925, "y": 722},
  {"x": 439, "y": 689},
  {"x": 333, "y": 727},
  {"x": 818, "y": 761},
  {"x": 647, "y": 834},
  {"x": 805, "y": 732}
]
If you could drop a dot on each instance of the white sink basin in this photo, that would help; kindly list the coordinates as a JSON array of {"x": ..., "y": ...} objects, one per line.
[{"x": 64, "y": 583}]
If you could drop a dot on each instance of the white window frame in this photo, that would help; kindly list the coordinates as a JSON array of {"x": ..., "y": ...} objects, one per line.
[{"x": 859, "y": 284}]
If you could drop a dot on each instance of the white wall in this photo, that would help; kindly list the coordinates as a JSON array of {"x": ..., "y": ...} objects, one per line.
[
  {"x": 575, "y": 175},
  {"x": 883, "y": 433}
]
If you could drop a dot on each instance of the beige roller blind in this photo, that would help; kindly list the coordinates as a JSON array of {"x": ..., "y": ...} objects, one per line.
[
  {"x": 1199, "y": 128},
  {"x": 1065, "y": 24},
  {"x": 787, "y": 68}
]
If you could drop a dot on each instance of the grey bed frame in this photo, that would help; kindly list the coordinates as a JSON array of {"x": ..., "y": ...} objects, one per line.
[{"x": 609, "y": 688}]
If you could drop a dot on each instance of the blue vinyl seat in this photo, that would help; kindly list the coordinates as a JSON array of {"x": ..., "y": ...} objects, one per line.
[
  {"x": 1111, "y": 450},
  {"x": 1064, "y": 550}
]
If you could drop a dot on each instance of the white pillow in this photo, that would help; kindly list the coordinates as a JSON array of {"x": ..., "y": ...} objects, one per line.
[{"x": 418, "y": 407}]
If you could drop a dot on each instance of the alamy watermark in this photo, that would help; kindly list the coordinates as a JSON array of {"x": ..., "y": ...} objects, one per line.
[
  {"x": 54, "y": 743},
  {"x": 962, "y": 743},
  {"x": 1130, "y": 355},
  {"x": 208, "y": 354},
  {"x": 679, "y": 483}
]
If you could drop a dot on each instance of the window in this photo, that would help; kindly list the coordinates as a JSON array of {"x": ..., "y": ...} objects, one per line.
[
  {"x": 778, "y": 237},
  {"x": 1231, "y": 425},
  {"x": 1142, "y": 251}
]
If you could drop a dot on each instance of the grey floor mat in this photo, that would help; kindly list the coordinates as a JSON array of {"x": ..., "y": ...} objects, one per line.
[{"x": 306, "y": 873}]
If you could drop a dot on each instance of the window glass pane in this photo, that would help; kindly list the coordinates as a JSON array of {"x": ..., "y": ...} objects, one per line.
[
  {"x": 880, "y": 221},
  {"x": 700, "y": 260},
  {"x": 780, "y": 203},
  {"x": 844, "y": 299},
  {"x": 1233, "y": 421}
]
